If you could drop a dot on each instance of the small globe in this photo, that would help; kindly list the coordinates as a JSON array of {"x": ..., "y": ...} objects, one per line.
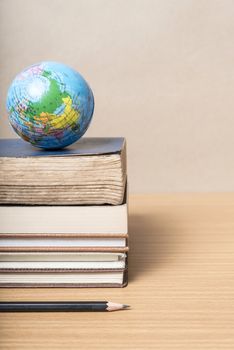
[{"x": 50, "y": 105}]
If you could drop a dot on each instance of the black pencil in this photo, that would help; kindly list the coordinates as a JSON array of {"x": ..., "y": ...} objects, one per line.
[{"x": 60, "y": 306}]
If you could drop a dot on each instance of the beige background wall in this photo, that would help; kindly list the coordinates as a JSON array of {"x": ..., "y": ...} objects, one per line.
[{"x": 162, "y": 73}]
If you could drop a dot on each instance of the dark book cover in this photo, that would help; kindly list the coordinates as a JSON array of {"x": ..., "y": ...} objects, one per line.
[{"x": 17, "y": 148}]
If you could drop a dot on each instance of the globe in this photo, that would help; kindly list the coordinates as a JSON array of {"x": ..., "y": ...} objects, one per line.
[{"x": 50, "y": 105}]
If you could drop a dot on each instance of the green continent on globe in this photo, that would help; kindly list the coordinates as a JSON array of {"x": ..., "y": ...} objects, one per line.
[
  {"x": 40, "y": 114},
  {"x": 50, "y": 101}
]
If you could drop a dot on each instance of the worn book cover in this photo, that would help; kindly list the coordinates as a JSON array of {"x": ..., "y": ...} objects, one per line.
[{"x": 91, "y": 171}]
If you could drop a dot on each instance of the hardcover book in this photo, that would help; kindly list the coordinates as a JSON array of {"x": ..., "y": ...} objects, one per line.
[{"x": 91, "y": 171}]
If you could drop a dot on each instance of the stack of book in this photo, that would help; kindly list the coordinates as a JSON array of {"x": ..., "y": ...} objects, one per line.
[{"x": 64, "y": 217}]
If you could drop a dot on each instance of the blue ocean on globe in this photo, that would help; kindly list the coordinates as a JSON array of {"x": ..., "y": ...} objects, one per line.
[{"x": 50, "y": 105}]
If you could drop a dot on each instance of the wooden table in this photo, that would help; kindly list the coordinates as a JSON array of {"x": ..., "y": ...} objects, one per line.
[{"x": 181, "y": 285}]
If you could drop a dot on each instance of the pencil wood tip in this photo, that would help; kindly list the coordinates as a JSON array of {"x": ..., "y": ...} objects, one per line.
[{"x": 114, "y": 307}]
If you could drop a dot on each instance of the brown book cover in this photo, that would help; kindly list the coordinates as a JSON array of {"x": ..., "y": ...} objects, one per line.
[{"x": 63, "y": 235}]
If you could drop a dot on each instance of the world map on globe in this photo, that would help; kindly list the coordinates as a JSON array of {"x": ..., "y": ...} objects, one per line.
[{"x": 50, "y": 105}]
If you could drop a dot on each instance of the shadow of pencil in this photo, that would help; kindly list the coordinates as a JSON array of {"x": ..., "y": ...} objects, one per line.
[{"x": 151, "y": 244}]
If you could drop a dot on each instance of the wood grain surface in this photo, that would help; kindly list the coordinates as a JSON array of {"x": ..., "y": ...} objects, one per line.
[{"x": 181, "y": 285}]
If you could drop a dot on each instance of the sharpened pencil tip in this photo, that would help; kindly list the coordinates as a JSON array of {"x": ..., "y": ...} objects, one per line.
[{"x": 114, "y": 306}]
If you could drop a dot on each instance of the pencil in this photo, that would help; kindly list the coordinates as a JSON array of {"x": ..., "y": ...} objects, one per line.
[{"x": 60, "y": 306}]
